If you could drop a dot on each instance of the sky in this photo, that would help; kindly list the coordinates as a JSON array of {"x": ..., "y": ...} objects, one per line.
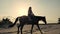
[{"x": 14, "y": 8}]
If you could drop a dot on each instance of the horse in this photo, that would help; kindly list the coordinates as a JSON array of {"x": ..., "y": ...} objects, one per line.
[{"x": 26, "y": 20}]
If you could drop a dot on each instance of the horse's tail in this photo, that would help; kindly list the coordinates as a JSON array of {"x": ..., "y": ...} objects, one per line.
[{"x": 14, "y": 22}]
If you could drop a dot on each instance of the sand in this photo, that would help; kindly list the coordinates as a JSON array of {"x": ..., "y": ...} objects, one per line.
[{"x": 46, "y": 29}]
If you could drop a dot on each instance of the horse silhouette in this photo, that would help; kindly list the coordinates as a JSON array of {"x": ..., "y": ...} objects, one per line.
[{"x": 26, "y": 20}]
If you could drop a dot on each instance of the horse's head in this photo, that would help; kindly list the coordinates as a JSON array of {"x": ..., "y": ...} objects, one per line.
[{"x": 41, "y": 18}]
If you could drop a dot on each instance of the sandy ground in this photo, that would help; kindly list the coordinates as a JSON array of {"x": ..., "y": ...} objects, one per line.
[{"x": 46, "y": 29}]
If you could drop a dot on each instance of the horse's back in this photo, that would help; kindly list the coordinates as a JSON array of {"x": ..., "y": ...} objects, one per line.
[{"x": 23, "y": 18}]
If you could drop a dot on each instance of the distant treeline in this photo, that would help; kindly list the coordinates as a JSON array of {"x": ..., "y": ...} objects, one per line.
[{"x": 5, "y": 22}]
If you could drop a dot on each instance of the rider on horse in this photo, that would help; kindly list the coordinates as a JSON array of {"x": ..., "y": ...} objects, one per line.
[{"x": 30, "y": 13}]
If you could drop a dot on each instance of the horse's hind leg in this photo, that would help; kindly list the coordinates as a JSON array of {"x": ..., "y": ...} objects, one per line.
[
  {"x": 39, "y": 29},
  {"x": 32, "y": 28},
  {"x": 18, "y": 29},
  {"x": 21, "y": 28}
]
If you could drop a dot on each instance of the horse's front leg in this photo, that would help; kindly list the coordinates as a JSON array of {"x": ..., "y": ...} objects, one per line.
[
  {"x": 39, "y": 28},
  {"x": 32, "y": 28}
]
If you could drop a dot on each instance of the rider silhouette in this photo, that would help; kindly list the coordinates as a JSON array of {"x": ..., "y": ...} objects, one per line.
[{"x": 30, "y": 13}]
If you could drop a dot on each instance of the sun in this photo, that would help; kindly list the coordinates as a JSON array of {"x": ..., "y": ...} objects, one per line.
[{"x": 22, "y": 12}]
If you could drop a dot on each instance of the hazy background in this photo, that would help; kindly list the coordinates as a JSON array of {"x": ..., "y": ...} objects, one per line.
[{"x": 14, "y": 8}]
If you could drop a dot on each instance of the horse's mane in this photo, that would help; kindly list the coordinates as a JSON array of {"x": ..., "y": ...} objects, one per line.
[{"x": 39, "y": 16}]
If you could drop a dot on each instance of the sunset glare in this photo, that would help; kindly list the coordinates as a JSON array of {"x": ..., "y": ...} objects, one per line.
[{"x": 15, "y": 8}]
